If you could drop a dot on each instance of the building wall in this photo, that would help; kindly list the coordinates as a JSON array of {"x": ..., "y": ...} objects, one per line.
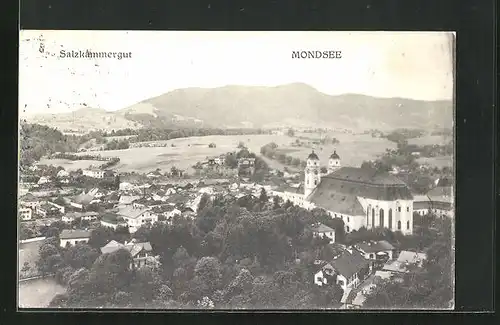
[
  {"x": 73, "y": 242},
  {"x": 350, "y": 222},
  {"x": 330, "y": 235},
  {"x": 373, "y": 256},
  {"x": 319, "y": 279},
  {"x": 94, "y": 174},
  {"x": 67, "y": 219},
  {"x": 312, "y": 176},
  {"x": 109, "y": 225},
  {"x": 333, "y": 165},
  {"x": 378, "y": 214},
  {"x": 61, "y": 208}
]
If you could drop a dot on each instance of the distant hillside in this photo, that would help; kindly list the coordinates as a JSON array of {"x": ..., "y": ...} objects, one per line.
[
  {"x": 293, "y": 105},
  {"x": 260, "y": 106},
  {"x": 85, "y": 119}
]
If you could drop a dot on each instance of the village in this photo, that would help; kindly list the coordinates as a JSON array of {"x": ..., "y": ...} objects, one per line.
[{"x": 70, "y": 206}]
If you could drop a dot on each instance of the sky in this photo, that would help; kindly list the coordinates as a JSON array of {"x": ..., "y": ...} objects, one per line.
[{"x": 416, "y": 65}]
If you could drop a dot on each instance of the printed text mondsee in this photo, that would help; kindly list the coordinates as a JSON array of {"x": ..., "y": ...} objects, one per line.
[{"x": 317, "y": 54}]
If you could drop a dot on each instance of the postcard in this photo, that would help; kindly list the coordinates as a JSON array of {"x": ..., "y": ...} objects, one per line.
[{"x": 176, "y": 170}]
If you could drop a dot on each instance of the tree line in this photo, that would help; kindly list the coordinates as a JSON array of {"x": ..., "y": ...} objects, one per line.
[
  {"x": 237, "y": 253},
  {"x": 271, "y": 151}
]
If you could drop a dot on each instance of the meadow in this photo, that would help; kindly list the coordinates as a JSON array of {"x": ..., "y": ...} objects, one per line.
[
  {"x": 38, "y": 293},
  {"x": 430, "y": 140},
  {"x": 440, "y": 162},
  {"x": 353, "y": 150},
  {"x": 70, "y": 165}
]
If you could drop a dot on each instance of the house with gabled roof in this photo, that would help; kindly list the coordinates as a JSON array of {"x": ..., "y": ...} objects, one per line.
[
  {"x": 375, "y": 250},
  {"x": 323, "y": 231},
  {"x": 73, "y": 237},
  {"x": 405, "y": 262},
  {"x": 141, "y": 252},
  {"x": 348, "y": 270},
  {"x": 136, "y": 216}
]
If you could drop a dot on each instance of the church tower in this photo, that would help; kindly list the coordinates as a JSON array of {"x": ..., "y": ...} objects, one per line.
[
  {"x": 312, "y": 174},
  {"x": 333, "y": 162}
]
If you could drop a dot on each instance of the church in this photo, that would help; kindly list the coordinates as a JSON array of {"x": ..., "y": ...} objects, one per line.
[{"x": 360, "y": 197}]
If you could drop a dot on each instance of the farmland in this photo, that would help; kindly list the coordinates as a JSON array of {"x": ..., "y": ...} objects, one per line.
[
  {"x": 440, "y": 162},
  {"x": 35, "y": 293},
  {"x": 353, "y": 149},
  {"x": 430, "y": 140},
  {"x": 70, "y": 165},
  {"x": 38, "y": 293}
]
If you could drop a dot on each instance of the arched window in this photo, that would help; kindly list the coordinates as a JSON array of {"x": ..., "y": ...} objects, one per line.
[
  {"x": 381, "y": 218},
  {"x": 315, "y": 182},
  {"x": 407, "y": 225},
  {"x": 347, "y": 228},
  {"x": 399, "y": 225},
  {"x": 373, "y": 218},
  {"x": 390, "y": 219},
  {"x": 367, "y": 216}
]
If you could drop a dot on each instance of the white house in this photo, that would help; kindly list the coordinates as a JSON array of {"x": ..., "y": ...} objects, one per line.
[
  {"x": 142, "y": 253},
  {"x": 124, "y": 186},
  {"x": 57, "y": 206},
  {"x": 94, "y": 173},
  {"x": 62, "y": 174},
  {"x": 404, "y": 261},
  {"x": 25, "y": 213},
  {"x": 323, "y": 231},
  {"x": 136, "y": 216},
  {"x": 114, "y": 224},
  {"x": 74, "y": 237},
  {"x": 347, "y": 270},
  {"x": 43, "y": 180},
  {"x": 375, "y": 250}
]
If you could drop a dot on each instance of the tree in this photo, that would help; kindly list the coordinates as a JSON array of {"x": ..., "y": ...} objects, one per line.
[
  {"x": 291, "y": 132},
  {"x": 263, "y": 196},
  {"x": 111, "y": 272},
  {"x": 80, "y": 256},
  {"x": 204, "y": 201},
  {"x": 277, "y": 202},
  {"x": 208, "y": 270},
  {"x": 100, "y": 236},
  {"x": 231, "y": 161}
]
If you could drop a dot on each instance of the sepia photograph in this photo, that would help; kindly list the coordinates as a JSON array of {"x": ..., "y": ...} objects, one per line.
[{"x": 176, "y": 170}]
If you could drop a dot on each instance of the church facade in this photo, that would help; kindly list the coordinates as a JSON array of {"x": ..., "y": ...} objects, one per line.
[{"x": 360, "y": 197}]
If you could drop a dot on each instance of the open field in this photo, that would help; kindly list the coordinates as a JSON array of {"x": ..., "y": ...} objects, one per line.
[
  {"x": 185, "y": 153},
  {"x": 71, "y": 165},
  {"x": 28, "y": 252},
  {"x": 38, "y": 293},
  {"x": 353, "y": 149},
  {"x": 430, "y": 140},
  {"x": 440, "y": 162}
]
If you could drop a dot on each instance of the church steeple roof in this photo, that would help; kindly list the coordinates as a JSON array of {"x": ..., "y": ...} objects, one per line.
[
  {"x": 313, "y": 156},
  {"x": 334, "y": 155}
]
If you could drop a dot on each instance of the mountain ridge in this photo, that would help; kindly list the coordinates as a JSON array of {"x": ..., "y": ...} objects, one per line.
[{"x": 258, "y": 106}]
